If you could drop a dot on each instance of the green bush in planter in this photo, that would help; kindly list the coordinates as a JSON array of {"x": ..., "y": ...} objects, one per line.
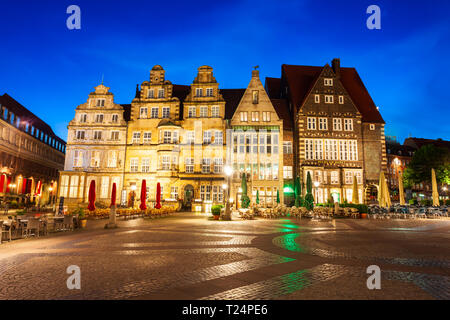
[{"x": 215, "y": 210}]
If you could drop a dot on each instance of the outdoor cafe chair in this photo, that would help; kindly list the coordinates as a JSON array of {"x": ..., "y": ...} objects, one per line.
[
  {"x": 68, "y": 222},
  {"x": 32, "y": 227},
  {"x": 5, "y": 228}
]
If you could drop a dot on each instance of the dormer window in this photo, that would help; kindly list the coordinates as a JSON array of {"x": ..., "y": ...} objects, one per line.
[
  {"x": 372, "y": 126},
  {"x": 161, "y": 93},
  {"x": 328, "y": 82},
  {"x": 151, "y": 93},
  {"x": 199, "y": 92},
  {"x": 100, "y": 102},
  {"x": 209, "y": 92}
]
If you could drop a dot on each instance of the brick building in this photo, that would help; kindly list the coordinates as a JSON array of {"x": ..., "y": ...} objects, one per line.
[{"x": 338, "y": 131}]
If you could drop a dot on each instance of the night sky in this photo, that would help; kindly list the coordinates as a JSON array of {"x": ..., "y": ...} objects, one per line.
[{"x": 51, "y": 70}]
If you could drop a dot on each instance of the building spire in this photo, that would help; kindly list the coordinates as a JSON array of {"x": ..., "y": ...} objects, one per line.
[
  {"x": 103, "y": 76},
  {"x": 138, "y": 92}
]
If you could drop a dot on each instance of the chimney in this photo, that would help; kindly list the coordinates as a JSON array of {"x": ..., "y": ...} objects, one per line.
[{"x": 336, "y": 64}]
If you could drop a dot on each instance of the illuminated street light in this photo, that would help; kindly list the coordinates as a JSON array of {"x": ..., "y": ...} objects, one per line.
[
  {"x": 133, "y": 187},
  {"x": 316, "y": 184},
  {"x": 228, "y": 170},
  {"x": 224, "y": 186}
]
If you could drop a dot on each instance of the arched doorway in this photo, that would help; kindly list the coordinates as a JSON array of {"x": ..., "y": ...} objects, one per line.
[
  {"x": 371, "y": 194},
  {"x": 188, "y": 197}
]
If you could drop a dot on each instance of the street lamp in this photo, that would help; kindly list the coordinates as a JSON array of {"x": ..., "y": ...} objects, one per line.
[{"x": 228, "y": 172}]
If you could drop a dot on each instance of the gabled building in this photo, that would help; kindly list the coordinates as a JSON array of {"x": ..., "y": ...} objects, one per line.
[
  {"x": 312, "y": 119},
  {"x": 255, "y": 146},
  {"x": 96, "y": 143},
  {"x": 338, "y": 131}
]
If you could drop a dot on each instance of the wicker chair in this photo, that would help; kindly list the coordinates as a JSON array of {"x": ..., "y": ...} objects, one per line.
[
  {"x": 33, "y": 227},
  {"x": 5, "y": 229}
]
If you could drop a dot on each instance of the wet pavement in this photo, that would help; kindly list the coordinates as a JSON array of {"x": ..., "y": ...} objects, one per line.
[{"x": 191, "y": 257}]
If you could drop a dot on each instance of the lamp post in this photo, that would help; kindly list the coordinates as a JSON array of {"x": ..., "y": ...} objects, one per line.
[{"x": 228, "y": 172}]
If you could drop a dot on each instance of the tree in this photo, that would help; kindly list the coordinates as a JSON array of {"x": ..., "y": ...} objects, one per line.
[
  {"x": 297, "y": 192},
  {"x": 309, "y": 198},
  {"x": 424, "y": 159},
  {"x": 245, "y": 200}
]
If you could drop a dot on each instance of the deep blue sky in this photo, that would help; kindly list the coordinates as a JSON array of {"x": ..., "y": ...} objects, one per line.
[{"x": 51, "y": 70}]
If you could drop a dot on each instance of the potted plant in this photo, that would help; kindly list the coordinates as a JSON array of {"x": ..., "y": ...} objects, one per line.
[
  {"x": 81, "y": 217},
  {"x": 215, "y": 210}
]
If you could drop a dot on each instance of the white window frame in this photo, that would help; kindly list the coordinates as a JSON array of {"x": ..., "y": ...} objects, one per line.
[
  {"x": 348, "y": 124},
  {"x": 328, "y": 82},
  {"x": 134, "y": 164},
  {"x": 147, "y": 136},
  {"x": 166, "y": 112},
  {"x": 329, "y": 99},
  {"x": 154, "y": 113},
  {"x": 337, "y": 124},
  {"x": 311, "y": 123},
  {"x": 204, "y": 112},
  {"x": 143, "y": 113},
  {"x": 215, "y": 111},
  {"x": 323, "y": 123},
  {"x": 136, "y": 137}
]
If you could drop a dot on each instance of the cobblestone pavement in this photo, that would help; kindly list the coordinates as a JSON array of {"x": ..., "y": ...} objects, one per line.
[{"x": 191, "y": 257}]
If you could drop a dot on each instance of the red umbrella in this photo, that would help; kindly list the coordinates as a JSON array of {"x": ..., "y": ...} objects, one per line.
[
  {"x": 91, "y": 206},
  {"x": 113, "y": 195},
  {"x": 143, "y": 206},
  {"x": 158, "y": 196}
]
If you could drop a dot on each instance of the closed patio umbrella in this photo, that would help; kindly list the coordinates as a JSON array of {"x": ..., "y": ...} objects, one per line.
[
  {"x": 401, "y": 192},
  {"x": 113, "y": 195},
  {"x": 434, "y": 187},
  {"x": 355, "y": 196},
  {"x": 91, "y": 205},
  {"x": 158, "y": 196},
  {"x": 278, "y": 196},
  {"x": 143, "y": 205},
  {"x": 381, "y": 195},
  {"x": 387, "y": 197}
]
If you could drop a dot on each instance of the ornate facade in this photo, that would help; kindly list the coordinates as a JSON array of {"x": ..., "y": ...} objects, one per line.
[
  {"x": 338, "y": 131},
  {"x": 95, "y": 148},
  {"x": 312, "y": 119}
]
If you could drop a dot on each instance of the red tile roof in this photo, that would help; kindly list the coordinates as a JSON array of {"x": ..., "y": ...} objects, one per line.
[
  {"x": 282, "y": 109},
  {"x": 301, "y": 79},
  {"x": 232, "y": 98}
]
